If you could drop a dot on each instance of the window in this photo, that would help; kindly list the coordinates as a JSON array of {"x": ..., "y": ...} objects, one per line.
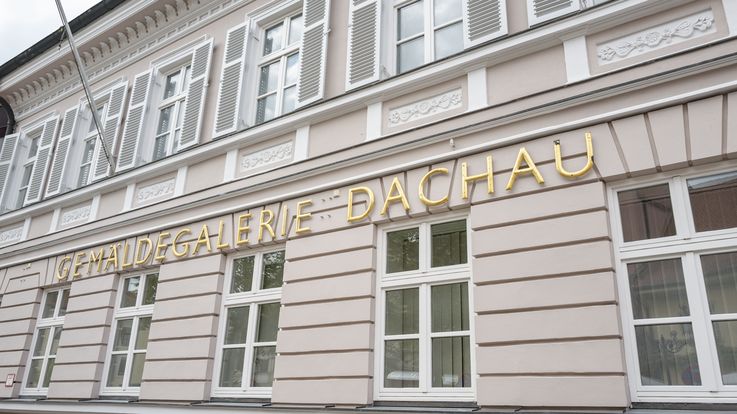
[
  {"x": 88, "y": 147},
  {"x": 425, "y": 320},
  {"x": 171, "y": 111},
  {"x": 278, "y": 69},
  {"x": 46, "y": 342},
  {"x": 34, "y": 139},
  {"x": 130, "y": 334},
  {"x": 677, "y": 243},
  {"x": 247, "y": 343},
  {"x": 427, "y": 30}
]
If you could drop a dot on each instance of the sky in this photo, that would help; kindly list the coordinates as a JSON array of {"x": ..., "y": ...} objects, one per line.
[{"x": 25, "y": 22}]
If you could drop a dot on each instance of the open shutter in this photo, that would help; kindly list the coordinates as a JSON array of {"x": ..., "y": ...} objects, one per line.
[
  {"x": 313, "y": 51},
  {"x": 43, "y": 159},
  {"x": 194, "y": 106},
  {"x": 110, "y": 127},
  {"x": 61, "y": 155},
  {"x": 231, "y": 81},
  {"x": 133, "y": 129},
  {"x": 483, "y": 20},
  {"x": 7, "y": 158},
  {"x": 539, "y": 11},
  {"x": 364, "y": 34}
]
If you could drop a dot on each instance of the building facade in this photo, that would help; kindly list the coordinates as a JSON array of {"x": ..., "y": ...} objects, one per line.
[{"x": 370, "y": 205}]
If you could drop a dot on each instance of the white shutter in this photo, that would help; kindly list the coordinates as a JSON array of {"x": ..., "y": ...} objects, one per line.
[
  {"x": 313, "y": 51},
  {"x": 483, "y": 20},
  {"x": 364, "y": 40},
  {"x": 228, "y": 110},
  {"x": 132, "y": 132},
  {"x": 7, "y": 159},
  {"x": 61, "y": 156},
  {"x": 194, "y": 106},
  {"x": 539, "y": 11},
  {"x": 110, "y": 127},
  {"x": 43, "y": 158}
]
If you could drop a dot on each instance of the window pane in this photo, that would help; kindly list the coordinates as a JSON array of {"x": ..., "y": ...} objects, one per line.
[
  {"x": 713, "y": 200},
  {"x": 64, "y": 302},
  {"x": 658, "y": 289},
  {"x": 165, "y": 120},
  {"x": 266, "y": 108},
  {"x": 170, "y": 87},
  {"x": 89, "y": 150},
  {"x": 137, "y": 370},
  {"x": 295, "y": 29},
  {"x": 448, "y": 40},
  {"x": 263, "y": 366},
  {"x": 49, "y": 370},
  {"x": 646, "y": 213},
  {"x": 236, "y": 326},
  {"x": 292, "y": 73},
  {"x": 273, "y": 39},
  {"x": 50, "y": 304},
  {"x": 144, "y": 327},
  {"x": 84, "y": 173},
  {"x": 117, "y": 371},
  {"x": 130, "y": 292},
  {"x": 403, "y": 250},
  {"x": 667, "y": 355},
  {"x": 273, "y": 271},
  {"x": 290, "y": 100},
  {"x": 446, "y": 11},
  {"x": 725, "y": 334},
  {"x": 34, "y": 373},
  {"x": 55, "y": 340},
  {"x": 231, "y": 371},
  {"x": 720, "y": 278},
  {"x": 450, "y": 307},
  {"x": 451, "y": 362},
  {"x": 242, "y": 275},
  {"x": 269, "y": 78},
  {"x": 410, "y": 20},
  {"x": 149, "y": 291},
  {"x": 160, "y": 146},
  {"x": 449, "y": 243},
  {"x": 410, "y": 54},
  {"x": 33, "y": 150},
  {"x": 402, "y": 311},
  {"x": 268, "y": 322},
  {"x": 41, "y": 340},
  {"x": 122, "y": 334},
  {"x": 402, "y": 364}
]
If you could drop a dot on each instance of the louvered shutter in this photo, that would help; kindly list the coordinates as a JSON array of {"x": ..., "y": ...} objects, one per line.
[
  {"x": 7, "y": 158},
  {"x": 364, "y": 39},
  {"x": 43, "y": 159},
  {"x": 227, "y": 113},
  {"x": 539, "y": 11},
  {"x": 133, "y": 130},
  {"x": 313, "y": 51},
  {"x": 194, "y": 106},
  {"x": 110, "y": 127},
  {"x": 483, "y": 20},
  {"x": 61, "y": 155}
]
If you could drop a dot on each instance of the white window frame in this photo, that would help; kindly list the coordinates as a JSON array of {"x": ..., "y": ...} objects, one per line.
[
  {"x": 424, "y": 278},
  {"x": 253, "y": 298},
  {"x": 136, "y": 313},
  {"x": 177, "y": 102},
  {"x": 688, "y": 245},
  {"x": 93, "y": 135},
  {"x": 30, "y": 161},
  {"x": 53, "y": 323}
]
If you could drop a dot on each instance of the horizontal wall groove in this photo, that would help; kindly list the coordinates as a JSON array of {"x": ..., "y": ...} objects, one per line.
[
  {"x": 79, "y": 295},
  {"x": 81, "y": 345},
  {"x": 325, "y": 325},
  {"x": 334, "y": 351},
  {"x": 174, "y": 380},
  {"x": 553, "y": 374},
  {"x": 179, "y": 359},
  {"x": 321, "y": 378},
  {"x": 77, "y": 381},
  {"x": 30, "y": 318},
  {"x": 543, "y": 277},
  {"x": 551, "y": 307},
  {"x": 193, "y": 295},
  {"x": 549, "y": 340},
  {"x": 542, "y": 247},
  {"x": 180, "y": 338},
  {"x": 15, "y": 334},
  {"x": 541, "y": 218},
  {"x": 74, "y": 328},
  {"x": 537, "y": 191},
  {"x": 175, "y": 279},
  {"x": 17, "y": 304},
  {"x": 72, "y": 312},
  {"x": 79, "y": 363},
  {"x": 330, "y": 276},
  {"x": 329, "y": 253},
  {"x": 319, "y": 301},
  {"x": 179, "y": 318}
]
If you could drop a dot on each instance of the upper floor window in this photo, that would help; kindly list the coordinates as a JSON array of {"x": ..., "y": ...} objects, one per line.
[
  {"x": 89, "y": 145},
  {"x": 247, "y": 343},
  {"x": 677, "y": 246},
  {"x": 424, "y": 317},
  {"x": 46, "y": 342},
  {"x": 278, "y": 69},
  {"x": 171, "y": 111},
  {"x": 34, "y": 139}
]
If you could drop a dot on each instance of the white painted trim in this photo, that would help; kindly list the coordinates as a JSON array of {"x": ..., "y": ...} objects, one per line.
[
  {"x": 478, "y": 93},
  {"x": 26, "y": 229},
  {"x": 301, "y": 144},
  {"x": 577, "y": 62},
  {"x": 231, "y": 161},
  {"x": 180, "y": 181},
  {"x": 94, "y": 207},
  {"x": 730, "y": 11},
  {"x": 55, "y": 220},
  {"x": 374, "y": 120},
  {"x": 129, "y": 193}
]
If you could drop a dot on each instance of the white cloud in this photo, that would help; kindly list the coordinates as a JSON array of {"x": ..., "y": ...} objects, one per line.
[{"x": 25, "y": 22}]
